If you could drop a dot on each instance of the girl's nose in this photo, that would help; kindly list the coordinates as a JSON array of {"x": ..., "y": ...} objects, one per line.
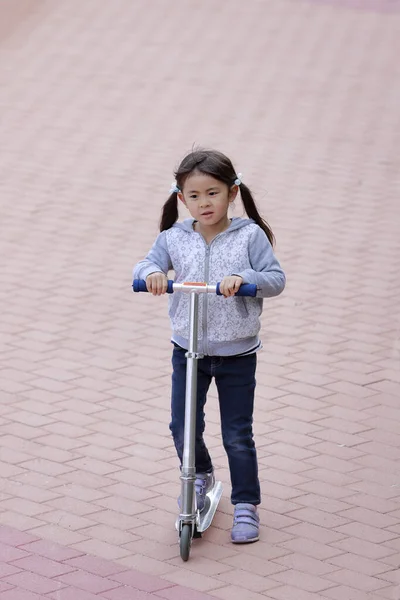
[{"x": 204, "y": 201}]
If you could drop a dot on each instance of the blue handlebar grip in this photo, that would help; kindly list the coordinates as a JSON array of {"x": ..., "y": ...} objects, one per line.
[
  {"x": 139, "y": 285},
  {"x": 246, "y": 289}
]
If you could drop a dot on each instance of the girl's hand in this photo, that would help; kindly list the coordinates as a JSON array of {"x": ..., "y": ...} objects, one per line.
[
  {"x": 157, "y": 283},
  {"x": 230, "y": 285}
]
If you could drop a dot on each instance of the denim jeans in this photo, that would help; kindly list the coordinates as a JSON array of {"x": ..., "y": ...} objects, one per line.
[{"x": 235, "y": 381}]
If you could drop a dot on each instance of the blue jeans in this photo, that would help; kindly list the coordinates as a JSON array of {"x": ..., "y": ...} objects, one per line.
[{"x": 235, "y": 381}]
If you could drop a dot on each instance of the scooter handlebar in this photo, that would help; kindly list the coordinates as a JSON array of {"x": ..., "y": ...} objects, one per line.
[{"x": 246, "y": 289}]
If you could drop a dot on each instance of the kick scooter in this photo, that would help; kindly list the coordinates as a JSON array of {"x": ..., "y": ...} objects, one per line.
[{"x": 191, "y": 523}]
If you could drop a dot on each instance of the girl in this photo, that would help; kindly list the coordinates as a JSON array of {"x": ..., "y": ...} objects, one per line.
[{"x": 211, "y": 247}]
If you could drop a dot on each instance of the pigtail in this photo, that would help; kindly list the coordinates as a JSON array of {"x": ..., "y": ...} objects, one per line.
[
  {"x": 169, "y": 214},
  {"x": 252, "y": 212}
]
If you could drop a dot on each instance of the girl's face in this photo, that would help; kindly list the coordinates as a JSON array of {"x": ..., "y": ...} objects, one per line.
[{"x": 207, "y": 199}]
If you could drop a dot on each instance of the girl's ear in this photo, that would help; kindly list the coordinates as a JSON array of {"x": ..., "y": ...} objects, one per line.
[
  {"x": 181, "y": 198},
  {"x": 233, "y": 193}
]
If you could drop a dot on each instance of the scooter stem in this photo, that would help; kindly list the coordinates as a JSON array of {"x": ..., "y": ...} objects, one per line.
[{"x": 188, "y": 459}]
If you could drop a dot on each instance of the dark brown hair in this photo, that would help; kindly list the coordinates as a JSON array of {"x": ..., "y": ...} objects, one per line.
[{"x": 219, "y": 166}]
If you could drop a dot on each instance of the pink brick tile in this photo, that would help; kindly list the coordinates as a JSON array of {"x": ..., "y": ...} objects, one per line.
[
  {"x": 306, "y": 564},
  {"x": 140, "y": 581},
  {"x": 146, "y": 564},
  {"x": 181, "y": 593},
  {"x": 283, "y": 477},
  {"x": 245, "y": 581},
  {"x": 87, "y": 479},
  {"x": 9, "y": 553},
  {"x": 323, "y": 488},
  {"x": 314, "y": 532},
  {"x": 9, "y": 470},
  {"x": 367, "y": 516},
  {"x": 303, "y": 581},
  {"x": 231, "y": 592},
  {"x": 42, "y": 566},
  {"x": 7, "y": 569},
  {"x": 66, "y": 520},
  {"x": 353, "y": 579},
  {"x": 47, "y": 467},
  {"x": 20, "y": 594},
  {"x": 72, "y": 593},
  {"x": 366, "y": 532},
  {"x": 117, "y": 520},
  {"x": 393, "y": 576},
  {"x": 253, "y": 564},
  {"x": 360, "y": 564},
  {"x": 392, "y": 560},
  {"x": 109, "y": 535},
  {"x": 87, "y": 581},
  {"x": 361, "y": 547},
  {"x": 371, "y": 488},
  {"x": 74, "y": 506},
  {"x": 387, "y": 592},
  {"x": 24, "y": 506},
  {"x": 92, "y": 465},
  {"x": 125, "y": 593},
  {"x": 312, "y": 548},
  {"x": 19, "y": 521},
  {"x": 101, "y": 549},
  {"x": 158, "y": 551},
  {"x": 318, "y": 517},
  {"x": 5, "y": 587},
  {"x": 49, "y": 549},
  {"x": 322, "y": 503},
  {"x": 203, "y": 565},
  {"x": 289, "y": 592},
  {"x": 197, "y": 581},
  {"x": 59, "y": 535},
  {"x": 343, "y": 592},
  {"x": 33, "y": 582},
  {"x": 95, "y": 565}
]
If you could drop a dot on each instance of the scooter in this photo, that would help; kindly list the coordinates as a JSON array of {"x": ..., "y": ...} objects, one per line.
[{"x": 191, "y": 523}]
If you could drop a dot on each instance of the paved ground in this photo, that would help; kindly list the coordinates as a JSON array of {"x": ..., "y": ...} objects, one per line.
[{"x": 99, "y": 101}]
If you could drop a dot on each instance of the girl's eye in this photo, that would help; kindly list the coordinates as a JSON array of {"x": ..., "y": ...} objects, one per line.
[
  {"x": 193, "y": 196},
  {"x": 213, "y": 193}
]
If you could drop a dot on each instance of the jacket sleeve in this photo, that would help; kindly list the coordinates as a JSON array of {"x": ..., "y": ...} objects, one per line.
[
  {"x": 157, "y": 260},
  {"x": 265, "y": 270}
]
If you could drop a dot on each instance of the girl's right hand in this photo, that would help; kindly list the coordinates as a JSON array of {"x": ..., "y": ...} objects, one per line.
[{"x": 157, "y": 283}]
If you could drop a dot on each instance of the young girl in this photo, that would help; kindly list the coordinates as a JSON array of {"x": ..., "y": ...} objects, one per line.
[{"x": 211, "y": 247}]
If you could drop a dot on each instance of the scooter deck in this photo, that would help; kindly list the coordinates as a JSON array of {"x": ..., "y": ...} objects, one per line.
[{"x": 205, "y": 517}]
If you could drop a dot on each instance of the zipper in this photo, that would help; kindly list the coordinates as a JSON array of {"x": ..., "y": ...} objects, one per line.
[{"x": 205, "y": 296}]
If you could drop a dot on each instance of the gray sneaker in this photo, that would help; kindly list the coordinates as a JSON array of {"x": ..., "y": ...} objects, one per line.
[
  {"x": 203, "y": 484},
  {"x": 246, "y": 524}
]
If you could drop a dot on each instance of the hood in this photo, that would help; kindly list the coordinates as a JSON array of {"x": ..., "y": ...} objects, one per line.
[{"x": 236, "y": 223}]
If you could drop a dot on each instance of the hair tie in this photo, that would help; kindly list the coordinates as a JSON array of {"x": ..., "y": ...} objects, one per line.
[
  {"x": 174, "y": 188},
  {"x": 238, "y": 179}
]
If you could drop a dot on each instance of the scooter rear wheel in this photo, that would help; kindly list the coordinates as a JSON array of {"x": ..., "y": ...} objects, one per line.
[{"x": 185, "y": 541}]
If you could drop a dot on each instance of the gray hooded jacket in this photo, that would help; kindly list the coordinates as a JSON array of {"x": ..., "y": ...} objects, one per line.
[{"x": 227, "y": 326}]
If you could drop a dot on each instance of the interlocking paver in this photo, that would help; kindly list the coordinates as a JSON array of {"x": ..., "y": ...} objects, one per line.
[{"x": 304, "y": 95}]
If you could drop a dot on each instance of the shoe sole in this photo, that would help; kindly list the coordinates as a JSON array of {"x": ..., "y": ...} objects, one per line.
[{"x": 255, "y": 539}]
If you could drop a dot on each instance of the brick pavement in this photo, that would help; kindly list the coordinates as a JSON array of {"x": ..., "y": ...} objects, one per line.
[{"x": 98, "y": 102}]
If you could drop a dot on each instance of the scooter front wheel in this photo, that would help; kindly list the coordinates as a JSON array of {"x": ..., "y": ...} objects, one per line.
[{"x": 185, "y": 541}]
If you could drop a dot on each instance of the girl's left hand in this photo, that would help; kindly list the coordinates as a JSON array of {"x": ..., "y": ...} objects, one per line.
[{"x": 230, "y": 285}]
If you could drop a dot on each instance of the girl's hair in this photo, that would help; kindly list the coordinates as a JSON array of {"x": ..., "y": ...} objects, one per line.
[{"x": 217, "y": 165}]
